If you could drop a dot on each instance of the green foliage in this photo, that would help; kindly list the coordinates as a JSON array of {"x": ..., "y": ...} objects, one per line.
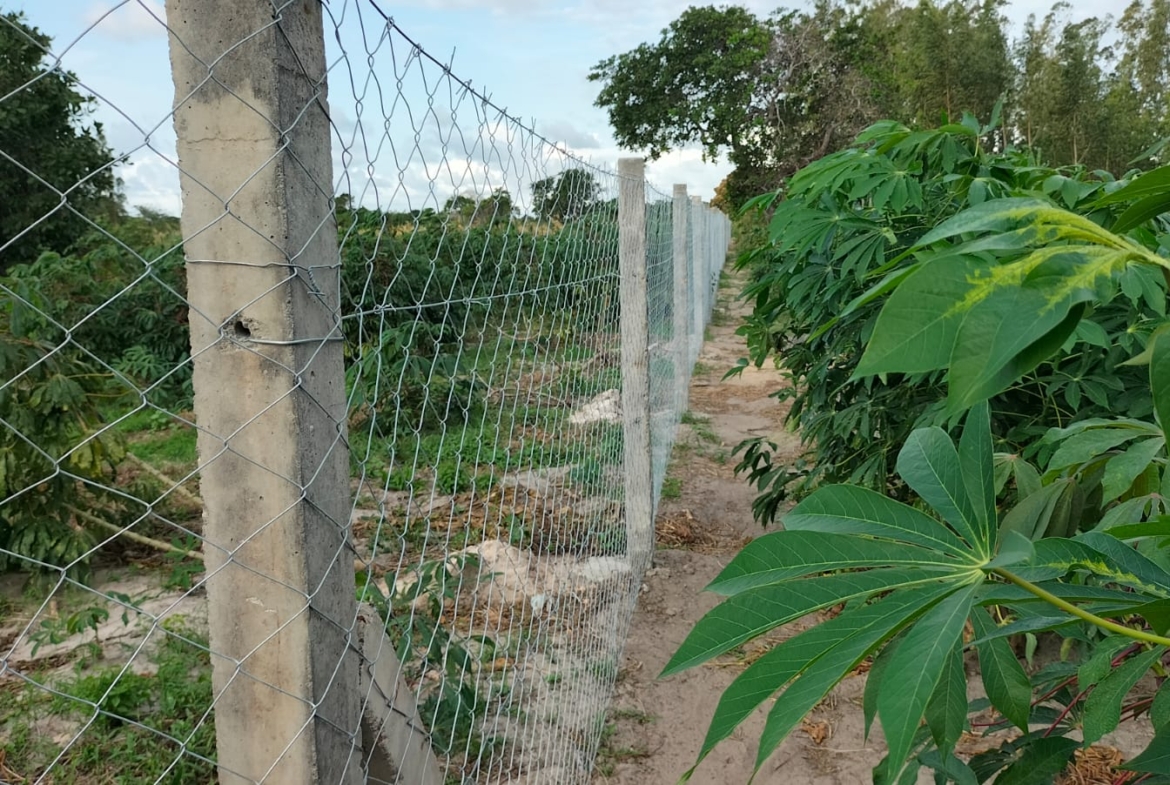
[
  {"x": 840, "y": 246},
  {"x": 49, "y": 150},
  {"x": 1078, "y": 552},
  {"x": 455, "y": 707},
  {"x": 140, "y": 727},
  {"x": 778, "y": 93}
]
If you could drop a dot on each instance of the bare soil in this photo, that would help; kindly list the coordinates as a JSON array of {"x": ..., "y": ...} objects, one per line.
[{"x": 656, "y": 726}]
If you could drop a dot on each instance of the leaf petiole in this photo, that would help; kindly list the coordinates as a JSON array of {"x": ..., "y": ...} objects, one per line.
[{"x": 1105, "y": 624}]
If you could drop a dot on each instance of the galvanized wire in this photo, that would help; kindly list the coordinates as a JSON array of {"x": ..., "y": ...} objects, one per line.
[{"x": 475, "y": 293}]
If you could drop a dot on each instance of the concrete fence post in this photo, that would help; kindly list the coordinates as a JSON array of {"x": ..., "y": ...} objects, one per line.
[
  {"x": 635, "y": 358},
  {"x": 697, "y": 275},
  {"x": 262, "y": 269},
  {"x": 681, "y": 306}
]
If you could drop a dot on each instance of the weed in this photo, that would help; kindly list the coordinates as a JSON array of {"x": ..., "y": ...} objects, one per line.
[
  {"x": 671, "y": 488},
  {"x": 139, "y": 728},
  {"x": 609, "y": 755},
  {"x": 169, "y": 446},
  {"x": 701, "y": 369}
]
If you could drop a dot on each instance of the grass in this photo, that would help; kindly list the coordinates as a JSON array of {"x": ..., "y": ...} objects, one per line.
[
  {"x": 609, "y": 753},
  {"x": 671, "y": 488},
  {"x": 133, "y": 727}
]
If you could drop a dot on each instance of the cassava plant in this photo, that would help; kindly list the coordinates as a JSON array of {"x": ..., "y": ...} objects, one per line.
[
  {"x": 848, "y": 220},
  {"x": 987, "y": 540}
]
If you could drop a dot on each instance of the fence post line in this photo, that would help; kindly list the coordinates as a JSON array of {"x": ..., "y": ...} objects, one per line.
[
  {"x": 635, "y": 354},
  {"x": 696, "y": 277},
  {"x": 680, "y": 313},
  {"x": 270, "y": 403}
]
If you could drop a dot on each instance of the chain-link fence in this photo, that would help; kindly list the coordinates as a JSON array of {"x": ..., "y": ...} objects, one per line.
[{"x": 350, "y": 474}]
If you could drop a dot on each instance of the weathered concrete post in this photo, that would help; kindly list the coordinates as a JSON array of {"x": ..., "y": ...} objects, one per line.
[
  {"x": 254, "y": 151},
  {"x": 635, "y": 331},
  {"x": 680, "y": 268},
  {"x": 696, "y": 278}
]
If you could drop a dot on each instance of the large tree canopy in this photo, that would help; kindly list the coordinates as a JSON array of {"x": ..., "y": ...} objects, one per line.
[
  {"x": 775, "y": 94},
  {"x": 696, "y": 85},
  {"x": 54, "y": 167}
]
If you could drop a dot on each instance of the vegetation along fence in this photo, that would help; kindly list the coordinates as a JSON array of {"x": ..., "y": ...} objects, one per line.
[{"x": 349, "y": 474}]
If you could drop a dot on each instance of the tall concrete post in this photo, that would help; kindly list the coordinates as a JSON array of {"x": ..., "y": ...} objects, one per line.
[
  {"x": 696, "y": 277},
  {"x": 681, "y": 331},
  {"x": 254, "y": 151},
  {"x": 635, "y": 331}
]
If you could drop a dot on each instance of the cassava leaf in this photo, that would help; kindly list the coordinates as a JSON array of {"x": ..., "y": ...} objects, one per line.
[
  {"x": 858, "y": 630},
  {"x": 929, "y": 464},
  {"x": 976, "y": 463},
  {"x": 848, "y": 509},
  {"x": 748, "y": 614},
  {"x": 1007, "y": 685},
  {"x": 920, "y": 661},
  {"x": 1041, "y": 760},
  {"x": 946, "y": 711},
  {"x": 783, "y": 555},
  {"x": 1160, "y": 377},
  {"x": 1103, "y": 707},
  {"x": 1154, "y": 759}
]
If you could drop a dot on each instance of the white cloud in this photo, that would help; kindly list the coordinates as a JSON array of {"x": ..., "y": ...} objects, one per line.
[
  {"x": 128, "y": 20},
  {"x": 151, "y": 181},
  {"x": 570, "y": 136}
]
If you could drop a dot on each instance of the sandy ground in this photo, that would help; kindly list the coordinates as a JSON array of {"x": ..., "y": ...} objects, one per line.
[{"x": 657, "y": 725}]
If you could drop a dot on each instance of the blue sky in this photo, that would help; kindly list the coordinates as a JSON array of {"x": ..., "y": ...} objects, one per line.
[{"x": 530, "y": 56}]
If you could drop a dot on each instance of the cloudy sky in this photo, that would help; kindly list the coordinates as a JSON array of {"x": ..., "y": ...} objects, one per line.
[{"x": 530, "y": 56}]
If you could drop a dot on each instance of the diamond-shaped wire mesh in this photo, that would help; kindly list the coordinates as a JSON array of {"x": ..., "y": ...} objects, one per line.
[{"x": 335, "y": 467}]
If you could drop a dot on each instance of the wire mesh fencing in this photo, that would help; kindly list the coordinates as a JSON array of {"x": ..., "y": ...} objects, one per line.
[{"x": 349, "y": 474}]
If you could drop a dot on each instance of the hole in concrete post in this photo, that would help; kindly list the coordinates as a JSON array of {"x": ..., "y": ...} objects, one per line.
[{"x": 241, "y": 329}]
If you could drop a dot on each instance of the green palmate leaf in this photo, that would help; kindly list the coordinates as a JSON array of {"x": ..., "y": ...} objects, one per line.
[
  {"x": 1141, "y": 211},
  {"x": 1103, "y": 707},
  {"x": 977, "y": 465},
  {"x": 1007, "y": 215},
  {"x": 1090, "y": 444},
  {"x": 1156, "y": 614},
  {"x": 1155, "y": 759},
  {"x": 783, "y": 555},
  {"x": 1122, "y": 470},
  {"x": 1160, "y": 708},
  {"x": 755, "y": 611},
  {"x": 873, "y": 682},
  {"x": 1159, "y": 527},
  {"x": 1129, "y": 560},
  {"x": 917, "y": 327},
  {"x": 1122, "y": 564},
  {"x": 929, "y": 464},
  {"x": 948, "y": 768},
  {"x": 1100, "y": 664},
  {"x": 1007, "y": 685},
  {"x": 946, "y": 712},
  {"x": 1152, "y": 183},
  {"x": 858, "y": 631},
  {"x": 848, "y": 509},
  {"x": 799, "y": 698},
  {"x": 920, "y": 661},
  {"x": 1029, "y": 519},
  {"x": 1160, "y": 377},
  {"x": 1041, "y": 760},
  {"x": 990, "y": 354}
]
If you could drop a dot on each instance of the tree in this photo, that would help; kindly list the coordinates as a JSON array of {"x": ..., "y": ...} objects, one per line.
[
  {"x": 493, "y": 209},
  {"x": 566, "y": 196},
  {"x": 696, "y": 85},
  {"x": 46, "y": 150}
]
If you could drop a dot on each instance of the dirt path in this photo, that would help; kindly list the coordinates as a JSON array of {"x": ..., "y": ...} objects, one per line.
[{"x": 656, "y": 726}]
